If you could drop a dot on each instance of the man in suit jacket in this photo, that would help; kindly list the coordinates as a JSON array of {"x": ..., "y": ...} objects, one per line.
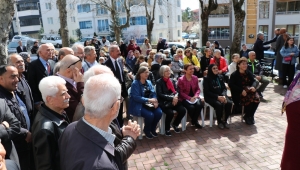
[
  {"x": 244, "y": 52},
  {"x": 116, "y": 66},
  {"x": 38, "y": 69},
  {"x": 259, "y": 47},
  {"x": 92, "y": 132},
  {"x": 70, "y": 67},
  {"x": 21, "y": 48}
]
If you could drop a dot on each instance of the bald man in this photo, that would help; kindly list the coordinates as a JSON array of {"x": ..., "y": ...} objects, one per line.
[
  {"x": 38, "y": 69},
  {"x": 70, "y": 67},
  {"x": 63, "y": 52}
]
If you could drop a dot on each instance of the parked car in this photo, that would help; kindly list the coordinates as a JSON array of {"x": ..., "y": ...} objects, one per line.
[
  {"x": 12, "y": 47},
  {"x": 193, "y": 36},
  {"x": 177, "y": 44},
  {"x": 185, "y": 35},
  {"x": 83, "y": 40},
  {"x": 53, "y": 39}
]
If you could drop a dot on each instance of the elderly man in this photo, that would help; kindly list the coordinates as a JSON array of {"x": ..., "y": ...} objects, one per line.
[
  {"x": 90, "y": 58},
  {"x": 50, "y": 122},
  {"x": 21, "y": 48},
  {"x": 116, "y": 65},
  {"x": 16, "y": 103},
  {"x": 38, "y": 69},
  {"x": 104, "y": 42},
  {"x": 78, "y": 50},
  {"x": 70, "y": 67},
  {"x": 63, "y": 52},
  {"x": 255, "y": 68},
  {"x": 93, "y": 131},
  {"x": 244, "y": 51},
  {"x": 259, "y": 48}
]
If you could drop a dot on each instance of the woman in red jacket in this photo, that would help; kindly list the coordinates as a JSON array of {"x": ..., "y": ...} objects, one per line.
[{"x": 219, "y": 61}]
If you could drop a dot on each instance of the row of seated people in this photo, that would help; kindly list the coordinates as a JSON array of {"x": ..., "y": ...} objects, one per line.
[{"x": 169, "y": 95}]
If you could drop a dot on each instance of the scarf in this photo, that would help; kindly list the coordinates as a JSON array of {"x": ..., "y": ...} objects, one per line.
[
  {"x": 293, "y": 93},
  {"x": 169, "y": 84}
]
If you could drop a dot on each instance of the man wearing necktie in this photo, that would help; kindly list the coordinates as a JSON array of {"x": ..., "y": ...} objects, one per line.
[{"x": 115, "y": 64}]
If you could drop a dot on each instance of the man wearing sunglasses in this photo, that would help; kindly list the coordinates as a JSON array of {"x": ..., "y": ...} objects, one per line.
[{"x": 70, "y": 67}]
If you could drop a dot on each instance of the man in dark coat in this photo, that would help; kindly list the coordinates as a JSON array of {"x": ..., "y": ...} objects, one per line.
[
  {"x": 259, "y": 47},
  {"x": 38, "y": 69},
  {"x": 21, "y": 48},
  {"x": 50, "y": 122},
  {"x": 116, "y": 66}
]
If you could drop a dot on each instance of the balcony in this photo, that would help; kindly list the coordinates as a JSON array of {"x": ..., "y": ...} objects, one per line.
[
  {"x": 288, "y": 13},
  {"x": 219, "y": 16}
]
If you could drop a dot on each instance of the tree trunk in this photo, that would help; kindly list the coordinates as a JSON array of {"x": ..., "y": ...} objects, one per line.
[
  {"x": 239, "y": 15},
  {"x": 149, "y": 32},
  {"x": 204, "y": 18},
  {"x": 64, "y": 32},
  {"x": 117, "y": 34},
  {"x": 6, "y": 15}
]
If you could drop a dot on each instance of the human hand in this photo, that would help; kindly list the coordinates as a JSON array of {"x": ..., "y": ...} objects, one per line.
[
  {"x": 244, "y": 93},
  {"x": 197, "y": 68},
  {"x": 77, "y": 75},
  {"x": 192, "y": 99},
  {"x": 28, "y": 137},
  {"x": 175, "y": 101},
  {"x": 292, "y": 54},
  {"x": 221, "y": 99},
  {"x": 155, "y": 105},
  {"x": 5, "y": 124},
  {"x": 252, "y": 89},
  {"x": 152, "y": 100},
  {"x": 258, "y": 78}
]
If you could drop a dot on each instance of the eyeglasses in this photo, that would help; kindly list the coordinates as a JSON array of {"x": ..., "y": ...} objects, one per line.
[
  {"x": 215, "y": 68},
  {"x": 80, "y": 60},
  {"x": 121, "y": 101},
  {"x": 179, "y": 51}
]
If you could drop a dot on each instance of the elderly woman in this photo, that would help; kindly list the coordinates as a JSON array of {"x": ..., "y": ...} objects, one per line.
[
  {"x": 219, "y": 61},
  {"x": 151, "y": 76},
  {"x": 150, "y": 58},
  {"x": 179, "y": 53},
  {"x": 146, "y": 47},
  {"x": 189, "y": 94},
  {"x": 155, "y": 65},
  {"x": 215, "y": 94},
  {"x": 242, "y": 85},
  {"x": 205, "y": 60},
  {"x": 190, "y": 58},
  {"x": 289, "y": 54},
  {"x": 167, "y": 96},
  {"x": 143, "y": 102},
  {"x": 291, "y": 152},
  {"x": 27, "y": 60},
  {"x": 177, "y": 66}
]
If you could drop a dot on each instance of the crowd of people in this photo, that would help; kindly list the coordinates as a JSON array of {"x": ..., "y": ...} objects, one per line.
[{"x": 64, "y": 101}]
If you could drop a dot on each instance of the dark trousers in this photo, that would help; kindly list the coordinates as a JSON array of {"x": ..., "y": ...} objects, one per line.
[
  {"x": 218, "y": 106},
  {"x": 151, "y": 118},
  {"x": 250, "y": 109},
  {"x": 193, "y": 110},
  {"x": 288, "y": 70},
  {"x": 170, "y": 114},
  {"x": 120, "y": 115}
]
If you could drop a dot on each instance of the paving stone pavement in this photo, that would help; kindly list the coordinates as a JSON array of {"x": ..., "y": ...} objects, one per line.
[{"x": 242, "y": 146}]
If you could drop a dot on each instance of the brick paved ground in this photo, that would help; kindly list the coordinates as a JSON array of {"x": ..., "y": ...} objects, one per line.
[{"x": 241, "y": 147}]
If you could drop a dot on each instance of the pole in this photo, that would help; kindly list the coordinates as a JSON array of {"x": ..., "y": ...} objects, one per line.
[
  {"x": 17, "y": 19},
  {"x": 200, "y": 27}
]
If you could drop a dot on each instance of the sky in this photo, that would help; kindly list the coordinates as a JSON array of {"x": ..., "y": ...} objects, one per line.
[{"x": 193, "y": 4}]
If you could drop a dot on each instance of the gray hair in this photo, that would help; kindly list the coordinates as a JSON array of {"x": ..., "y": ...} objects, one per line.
[
  {"x": 163, "y": 69},
  {"x": 96, "y": 70},
  {"x": 48, "y": 86},
  {"x": 144, "y": 64},
  {"x": 100, "y": 92},
  {"x": 112, "y": 48},
  {"x": 75, "y": 47},
  {"x": 217, "y": 51},
  {"x": 251, "y": 52},
  {"x": 88, "y": 49},
  {"x": 259, "y": 34}
]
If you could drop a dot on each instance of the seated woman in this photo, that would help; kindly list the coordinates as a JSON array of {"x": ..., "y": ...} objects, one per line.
[
  {"x": 219, "y": 61},
  {"x": 155, "y": 65},
  {"x": 167, "y": 96},
  {"x": 137, "y": 63},
  {"x": 190, "y": 58},
  {"x": 242, "y": 85},
  {"x": 215, "y": 94},
  {"x": 151, "y": 76},
  {"x": 205, "y": 60},
  {"x": 177, "y": 66},
  {"x": 143, "y": 102},
  {"x": 150, "y": 58},
  {"x": 189, "y": 94}
]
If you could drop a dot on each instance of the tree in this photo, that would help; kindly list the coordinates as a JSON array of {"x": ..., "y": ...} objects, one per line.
[
  {"x": 95, "y": 34},
  {"x": 6, "y": 16},
  {"x": 115, "y": 7},
  {"x": 205, "y": 11},
  {"x": 150, "y": 19},
  {"x": 78, "y": 33},
  {"x": 239, "y": 15},
  {"x": 64, "y": 32}
]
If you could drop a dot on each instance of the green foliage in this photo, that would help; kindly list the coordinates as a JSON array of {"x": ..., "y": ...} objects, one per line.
[
  {"x": 72, "y": 40},
  {"x": 152, "y": 168},
  {"x": 58, "y": 32},
  {"x": 95, "y": 34},
  {"x": 166, "y": 164},
  {"x": 78, "y": 33},
  {"x": 112, "y": 26},
  {"x": 187, "y": 15},
  {"x": 41, "y": 31}
]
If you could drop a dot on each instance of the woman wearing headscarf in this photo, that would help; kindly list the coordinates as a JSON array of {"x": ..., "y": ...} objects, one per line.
[
  {"x": 291, "y": 102},
  {"x": 215, "y": 94}
]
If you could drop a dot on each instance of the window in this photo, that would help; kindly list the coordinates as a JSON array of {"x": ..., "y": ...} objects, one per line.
[
  {"x": 265, "y": 30},
  {"x": 28, "y": 22},
  {"x": 120, "y": 6},
  {"x": 83, "y": 8},
  {"x": 218, "y": 33},
  {"x": 178, "y": 3},
  {"x": 101, "y": 10},
  {"x": 149, "y": 1},
  {"x": 27, "y": 6},
  {"x": 103, "y": 25},
  {"x": 178, "y": 33},
  {"x": 287, "y": 7},
  {"x": 48, "y": 6},
  {"x": 50, "y": 20},
  {"x": 72, "y": 19},
  {"x": 178, "y": 18},
  {"x": 141, "y": 20},
  {"x": 85, "y": 25},
  {"x": 264, "y": 9},
  {"x": 161, "y": 19},
  {"x": 71, "y": 6},
  {"x": 159, "y": 2}
]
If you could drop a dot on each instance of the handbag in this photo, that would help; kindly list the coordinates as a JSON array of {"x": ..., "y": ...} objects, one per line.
[
  {"x": 149, "y": 106},
  {"x": 288, "y": 58}
]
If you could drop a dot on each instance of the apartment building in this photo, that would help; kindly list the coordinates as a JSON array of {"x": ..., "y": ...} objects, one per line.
[{"x": 29, "y": 16}]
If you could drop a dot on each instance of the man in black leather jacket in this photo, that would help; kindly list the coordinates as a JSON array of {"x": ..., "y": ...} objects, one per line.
[{"x": 50, "y": 122}]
